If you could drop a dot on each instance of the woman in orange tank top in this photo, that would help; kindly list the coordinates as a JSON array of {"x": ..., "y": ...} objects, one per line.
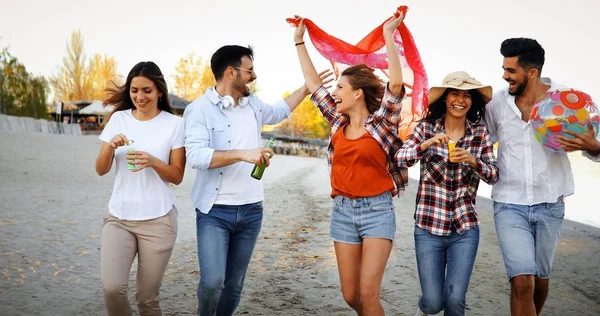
[{"x": 363, "y": 114}]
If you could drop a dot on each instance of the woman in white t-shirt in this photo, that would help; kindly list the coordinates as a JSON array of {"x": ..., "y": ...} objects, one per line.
[{"x": 142, "y": 218}]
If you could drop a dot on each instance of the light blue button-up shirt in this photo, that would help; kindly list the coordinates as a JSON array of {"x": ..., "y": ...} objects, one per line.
[{"x": 207, "y": 128}]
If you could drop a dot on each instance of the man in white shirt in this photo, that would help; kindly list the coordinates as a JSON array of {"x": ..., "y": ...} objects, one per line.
[
  {"x": 223, "y": 142},
  {"x": 529, "y": 195}
]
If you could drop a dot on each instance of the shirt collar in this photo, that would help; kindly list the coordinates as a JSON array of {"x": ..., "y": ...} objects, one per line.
[{"x": 213, "y": 96}]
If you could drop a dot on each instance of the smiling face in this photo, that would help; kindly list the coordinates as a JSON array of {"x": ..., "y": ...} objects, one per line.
[
  {"x": 458, "y": 102},
  {"x": 245, "y": 76},
  {"x": 144, "y": 94},
  {"x": 516, "y": 76},
  {"x": 345, "y": 96}
]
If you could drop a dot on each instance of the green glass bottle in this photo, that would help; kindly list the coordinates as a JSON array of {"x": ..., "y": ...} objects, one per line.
[{"x": 259, "y": 169}]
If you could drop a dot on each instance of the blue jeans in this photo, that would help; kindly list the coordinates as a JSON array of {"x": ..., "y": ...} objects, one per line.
[
  {"x": 528, "y": 236},
  {"x": 445, "y": 264},
  {"x": 226, "y": 239}
]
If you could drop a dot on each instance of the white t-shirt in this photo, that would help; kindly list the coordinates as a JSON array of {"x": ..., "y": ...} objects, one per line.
[
  {"x": 142, "y": 195},
  {"x": 237, "y": 186}
]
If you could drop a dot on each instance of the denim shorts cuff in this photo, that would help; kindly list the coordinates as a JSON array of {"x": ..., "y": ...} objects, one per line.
[
  {"x": 347, "y": 242},
  {"x": 530, "y": 272},
  {"x": 543, "y": 277},
  {"x": 379, "y": 237}
]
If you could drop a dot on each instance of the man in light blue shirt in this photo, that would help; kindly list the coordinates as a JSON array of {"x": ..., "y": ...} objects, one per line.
[{"x": 223, "y": 143}]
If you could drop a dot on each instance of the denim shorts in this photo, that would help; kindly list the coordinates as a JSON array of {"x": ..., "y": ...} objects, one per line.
[
  {"x": 355, "y": 219},
  {"x": 528, "y": 236}
]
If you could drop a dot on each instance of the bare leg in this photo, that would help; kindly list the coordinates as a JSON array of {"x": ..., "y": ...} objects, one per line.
[
  {"x": 521, "y": 295},
  {"x": 375, "y": 254},
  {"x": 349, "y": 258},
  {"x": 540, "y": 293}
]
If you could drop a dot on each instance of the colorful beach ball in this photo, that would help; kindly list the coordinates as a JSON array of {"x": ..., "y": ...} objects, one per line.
[{"x": 563, "y": 110}]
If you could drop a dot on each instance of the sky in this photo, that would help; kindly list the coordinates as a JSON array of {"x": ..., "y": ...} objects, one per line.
[{"x": 450, "y": 35}]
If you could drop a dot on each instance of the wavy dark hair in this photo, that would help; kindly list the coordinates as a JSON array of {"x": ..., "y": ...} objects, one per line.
[
  {"x": 363, "y": 77},
  {"x": 119, "y": 95},
  {"x": 476, "y": 113}
]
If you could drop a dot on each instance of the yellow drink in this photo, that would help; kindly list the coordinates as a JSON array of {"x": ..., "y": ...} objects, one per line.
[{"x": 451, "y": 145}]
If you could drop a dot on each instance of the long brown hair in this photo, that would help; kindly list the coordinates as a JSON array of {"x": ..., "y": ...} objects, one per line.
[
  {"x": 119, "y": 95},
  {"x": 363, "y": 77}
]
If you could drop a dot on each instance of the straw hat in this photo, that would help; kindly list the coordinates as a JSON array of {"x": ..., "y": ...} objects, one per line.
[{"x": 462, "y": 81}]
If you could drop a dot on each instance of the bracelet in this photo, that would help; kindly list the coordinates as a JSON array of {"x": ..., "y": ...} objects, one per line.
[{"x": 298, "y": 44}]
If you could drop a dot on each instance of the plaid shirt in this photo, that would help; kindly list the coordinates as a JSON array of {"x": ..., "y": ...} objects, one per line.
[
  {"x": 381, "y": 125},
  {"x": 447, "y": 191}
]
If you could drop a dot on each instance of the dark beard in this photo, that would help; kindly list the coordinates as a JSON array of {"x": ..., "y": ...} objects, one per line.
[
  {"x": 520, "y": 88},
  {"x": 241, "y": 87}
]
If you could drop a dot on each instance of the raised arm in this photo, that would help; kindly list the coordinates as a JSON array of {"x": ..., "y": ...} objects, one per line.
[
  {"x": 311, "y": 77},
  {"x": 394, "y": 66}
]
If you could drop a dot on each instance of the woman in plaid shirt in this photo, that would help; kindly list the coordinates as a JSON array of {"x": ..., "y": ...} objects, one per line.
[
  {"x": 363, "y": 114},
  {"x": 447, "y": 228}
]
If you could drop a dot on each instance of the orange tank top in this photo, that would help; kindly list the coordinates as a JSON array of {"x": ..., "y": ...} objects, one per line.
[{"x": 359, "y": 167}]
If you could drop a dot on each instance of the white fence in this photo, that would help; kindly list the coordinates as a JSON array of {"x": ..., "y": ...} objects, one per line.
[{"x": 29, "y": 124}]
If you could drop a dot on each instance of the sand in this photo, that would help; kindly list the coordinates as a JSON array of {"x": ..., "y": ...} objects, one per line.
[{"x": 50, "y": 227}]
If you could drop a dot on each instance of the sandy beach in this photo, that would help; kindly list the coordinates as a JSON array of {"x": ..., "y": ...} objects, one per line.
[{"x": 50, "y": 227}]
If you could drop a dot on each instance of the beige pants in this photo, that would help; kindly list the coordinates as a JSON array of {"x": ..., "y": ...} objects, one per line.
[{"x": 153, "y": 242}]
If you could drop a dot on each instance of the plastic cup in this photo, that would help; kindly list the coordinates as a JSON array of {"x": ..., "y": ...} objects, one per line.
[
  {"x": 130, "y": 166},
  {"x": 451, "y": 145}
]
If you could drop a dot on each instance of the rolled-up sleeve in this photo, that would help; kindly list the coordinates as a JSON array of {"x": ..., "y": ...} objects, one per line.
[
  {"x": 408, "y": 155},
  {"x": 487, "y": 168},
  {"x": 197, "y": 137},
  {"x": 490, "y": 120},
  {"x": 391, "y": 105},
  {"x": 275, "y": 113}
]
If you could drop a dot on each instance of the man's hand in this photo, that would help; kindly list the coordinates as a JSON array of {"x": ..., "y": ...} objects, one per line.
[
  {"x": 586, "y": 141},
  {"x": 258, "y": 156}
]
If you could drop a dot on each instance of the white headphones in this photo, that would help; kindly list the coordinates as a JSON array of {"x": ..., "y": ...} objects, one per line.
[{"x": 228, "y": 101}]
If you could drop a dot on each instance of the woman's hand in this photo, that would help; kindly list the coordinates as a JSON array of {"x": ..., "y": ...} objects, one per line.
[
  {"x": 390, "y": 25},
  {"x": 436, "y": 140},
  {"x": 119, "y": 140},
  {"x": 300, "y": 30},
  {"x": 326, "y": 77},
  {"x": 459, "y": 155},
  {"x": 141, "y": 159}
]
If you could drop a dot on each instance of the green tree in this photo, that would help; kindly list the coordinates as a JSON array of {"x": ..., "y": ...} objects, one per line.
[{"x": 21, "y": 93}]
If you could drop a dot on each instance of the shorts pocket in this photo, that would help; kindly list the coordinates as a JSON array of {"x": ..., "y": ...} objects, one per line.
[
  {"x": 337, "y": 202},
  {"x": 382, "y": 206}
]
